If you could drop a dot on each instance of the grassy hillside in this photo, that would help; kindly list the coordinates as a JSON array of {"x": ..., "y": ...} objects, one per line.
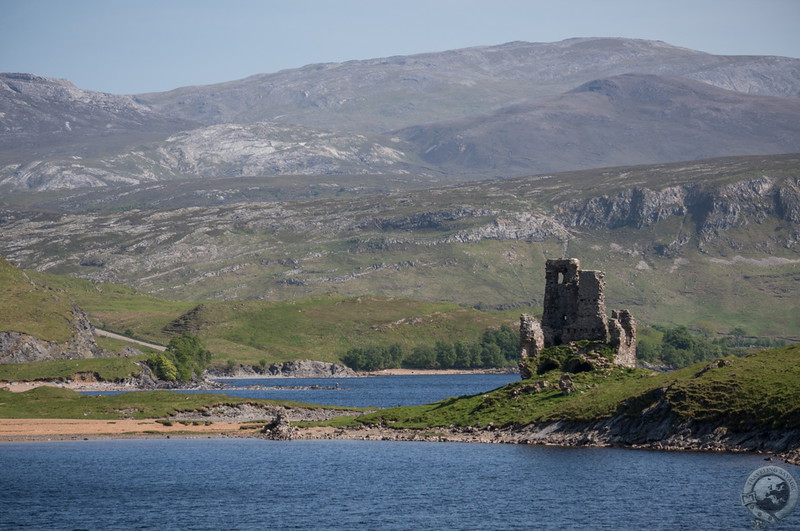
[
  {"x": 757, "y": 390},
  {"x": 325, "y": 327},
  {"x": 109, "y": 369},
  {"x": 31, "y": 308},
  {"x": 118, "y": 308},
  {"x": 321, "y": 327}
]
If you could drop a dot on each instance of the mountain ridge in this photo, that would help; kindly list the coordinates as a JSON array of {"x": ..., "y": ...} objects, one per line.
[
  {"x": 626, "y": 119},
  {"x": 54, "y": 135}
]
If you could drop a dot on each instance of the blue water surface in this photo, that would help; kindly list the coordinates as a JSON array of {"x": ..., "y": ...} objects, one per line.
[
  {"x": 259, "y": 484},
  {"x": 377, "y": 391}
]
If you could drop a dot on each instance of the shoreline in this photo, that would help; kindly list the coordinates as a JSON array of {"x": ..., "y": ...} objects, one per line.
[
  {"x": 368, "y": 374},
  {"x": 56, "y": 430},
  {"x": 51, "y": 430}
]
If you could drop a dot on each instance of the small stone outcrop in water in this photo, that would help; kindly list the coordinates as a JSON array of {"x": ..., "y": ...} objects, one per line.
[
  {"x": 574, "y": 311},
  {"x": 279, "y": 429}
]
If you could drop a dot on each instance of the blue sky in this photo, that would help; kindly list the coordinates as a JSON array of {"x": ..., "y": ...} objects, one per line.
[{"x": 135, "y": 46}]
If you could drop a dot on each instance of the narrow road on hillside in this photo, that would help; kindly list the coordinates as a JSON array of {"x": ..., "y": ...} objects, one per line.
[{"x": 112, "y": 335}]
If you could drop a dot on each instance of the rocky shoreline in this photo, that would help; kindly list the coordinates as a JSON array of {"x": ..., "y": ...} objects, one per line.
[
  {"x": 783, "y": 446},
  {"x": 665, "y": 432},
  {"x": 656, "y": 428}
]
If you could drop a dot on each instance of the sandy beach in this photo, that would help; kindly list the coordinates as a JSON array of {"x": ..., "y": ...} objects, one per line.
[
  {"x": 20, "y": 387},
  {"x": 18, "y": 430}
]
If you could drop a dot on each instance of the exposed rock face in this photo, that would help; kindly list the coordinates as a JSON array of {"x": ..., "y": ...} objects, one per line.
[
  {"x": 310, "y": 369},
  {"x": 575, "y": 310},
  {"x": 16, "y": 347},
  {"x": 297, "y": 369},
  {"x": 715, "y": 208}
]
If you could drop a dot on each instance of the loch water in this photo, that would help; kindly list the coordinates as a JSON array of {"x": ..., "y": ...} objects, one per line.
[
  {"x": 375, "y": 391},
  {"x": 261, "y": 484}
]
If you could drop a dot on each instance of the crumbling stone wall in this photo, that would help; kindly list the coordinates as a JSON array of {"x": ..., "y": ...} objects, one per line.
[
  {"x": 574, "y": 310},
  {"x": 531, "y": 340},
  {"x": 622, "y": 336}
]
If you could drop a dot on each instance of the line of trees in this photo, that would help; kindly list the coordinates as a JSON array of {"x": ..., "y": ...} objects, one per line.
[
  {"x": 496, "y": 348},
  {"x": 679, "y": 346}
]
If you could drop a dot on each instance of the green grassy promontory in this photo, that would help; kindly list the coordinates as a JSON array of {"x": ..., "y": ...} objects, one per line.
[{"x": 758, "y": 390}]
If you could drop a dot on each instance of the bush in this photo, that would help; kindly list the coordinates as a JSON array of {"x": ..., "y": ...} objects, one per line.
[
  {"x": 162, "y": 367},
  {"x": 680, "y": 346},
  {"x": 184, "y": 359}
]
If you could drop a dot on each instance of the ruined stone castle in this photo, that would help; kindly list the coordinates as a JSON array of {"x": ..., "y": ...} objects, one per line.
[{"x": 574, "y": 310}]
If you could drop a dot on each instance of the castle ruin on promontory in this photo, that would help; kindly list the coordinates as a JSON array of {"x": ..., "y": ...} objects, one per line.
[{"x": 575, "y": 310}]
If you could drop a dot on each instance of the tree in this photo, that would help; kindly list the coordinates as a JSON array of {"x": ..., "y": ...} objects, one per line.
[
  {"x": 189, "y": 356},
  {"x": 492, "y": 356},
  {"x": 679, "y": 338},
  {"x": 421, "y": 357},
  {"x": 648, "y": 349},
  {"x": 162, "y": 367},
  {"x": 445, "y": 355}
]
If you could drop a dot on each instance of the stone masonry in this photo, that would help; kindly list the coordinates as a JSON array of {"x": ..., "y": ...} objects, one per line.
[{"x": 575, "y": 309}]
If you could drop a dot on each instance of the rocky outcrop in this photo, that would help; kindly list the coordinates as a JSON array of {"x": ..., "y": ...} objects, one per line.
[
  {"x": 289, "y": 369},
  {"x": 16, "y": 347},
  {"x": 309, "y": 369},
  {"x": 279, "y": 429},
  {"x": 713, "y": 209}
]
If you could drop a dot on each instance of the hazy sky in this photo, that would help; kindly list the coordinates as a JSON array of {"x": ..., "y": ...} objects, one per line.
[{"x": 135, "y": 46}]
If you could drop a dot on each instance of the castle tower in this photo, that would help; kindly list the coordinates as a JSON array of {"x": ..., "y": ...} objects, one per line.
[
  {"x": 574, "y": 310},
  {"x": 574, "y": 303}
]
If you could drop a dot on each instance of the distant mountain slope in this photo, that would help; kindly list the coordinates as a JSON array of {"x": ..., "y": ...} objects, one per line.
[
  {"x": 390, "y": 93},
  {"x": 710, "y": 241},
  {"x": 507, "y": 110},
  {"x": 629, "y": 119},
  {"x": 40, "y": 117},
  {"x": 223, "y": 150}
]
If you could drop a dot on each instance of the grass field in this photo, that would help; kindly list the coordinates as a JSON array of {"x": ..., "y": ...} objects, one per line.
[
  {"x": 32, "y": 308},
  {"x": 109, "y": 369}
]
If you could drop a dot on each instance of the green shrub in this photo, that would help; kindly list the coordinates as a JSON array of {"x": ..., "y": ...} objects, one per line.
[
  {"x": 551, "y": 358},
  {"x": 184, "y": 359},
  {"x": 162, "y": 367}
]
